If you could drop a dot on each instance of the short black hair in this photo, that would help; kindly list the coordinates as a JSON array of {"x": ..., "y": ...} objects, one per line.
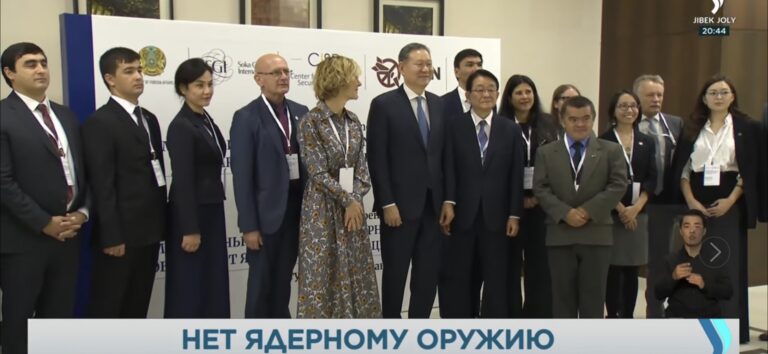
[
  {"x": 410, "y": 47},
  {"x": 483, "y": 73},
  {"x": 13, "y": 53},
  {"x": 189, "y": 71},
  {"x": 615, "y": 102},
  {"x": 693, "y": 212},
  {"x": 578, "y": 102},
  {"x": 110, "y": 60},
  {"x": 464, "y": 54}
]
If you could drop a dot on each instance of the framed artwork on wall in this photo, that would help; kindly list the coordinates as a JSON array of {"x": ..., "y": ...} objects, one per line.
[
  {"x": 285, "y": 13},
  {"x": 409, "y": 16},
  {"x": 160, "y": 9}
]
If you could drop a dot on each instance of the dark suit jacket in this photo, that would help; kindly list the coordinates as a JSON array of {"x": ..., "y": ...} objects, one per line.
[
  {"x": 452, "y": 104},
  {"x": 130, "y": 208},
  {"x": 747, "y": 135},
  {"x": 497, "y": 185},
  {"x": 259, "y": 167},
  {"x": 402, "y": 168},
  {"x": 643, "y": 163},
  {"x": 603, "y": 183},
  {"x": 196, "y": 163},
  {"x": 670, "y": 194},
  {"x": 32, "y": 181}
]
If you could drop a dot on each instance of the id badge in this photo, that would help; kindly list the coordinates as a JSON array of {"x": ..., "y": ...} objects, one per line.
[
  {"x": 528, "y": 178},
  {"x": 67, "y": 172},
  {"x": 159, "y": 176},
  {"x": 635, "y": 192},
  {"x": 347, "y": 179},
  {"x": 293, "y": 166},
  {"x": 711, "y": 175}
]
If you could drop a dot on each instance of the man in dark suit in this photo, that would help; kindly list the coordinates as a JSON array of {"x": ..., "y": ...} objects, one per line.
[
  {"x": 465, "y": 63},
  {"x": 484, "y": 187},
  {"x": 665, "y": 201},
  {"x": 124, "y": 155},
  {"x": 456, "y": 103},
  {"x": 405, "y": 154},
  {"x": 268, "y": 183},
  {"x": 43, "y": 198},
  {"x": 578, "y": 181}
]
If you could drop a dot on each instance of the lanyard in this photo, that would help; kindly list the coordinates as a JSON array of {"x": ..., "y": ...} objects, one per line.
[
  {"x": 212, "y": 132},
  {"x": 55, "y": 138},
  {"x": 280, "y": 125},
  {"x": 576, "y": 170},
  {"x": 624, "y": 151},
  {"x": 712, "y": 150},
  {"x": 336, "y": 132},
  {"x": 669, "y": 131},
  {"x": 527, "y": 142},
  {"x": 146, "y": 129}
]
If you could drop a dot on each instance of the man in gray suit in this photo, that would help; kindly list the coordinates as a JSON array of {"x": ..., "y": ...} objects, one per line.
[
  {"x": 578, "y": 181},
  {"x": 665, "y": 202}
]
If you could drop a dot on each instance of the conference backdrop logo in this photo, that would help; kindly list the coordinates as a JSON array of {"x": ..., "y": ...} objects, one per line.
[
  {"x": 387, "y": 72},
  {"x": 220, "y": 63},
  {"x": 152, "y": 60}
]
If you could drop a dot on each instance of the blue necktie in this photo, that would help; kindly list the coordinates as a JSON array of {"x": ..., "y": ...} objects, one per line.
[
  {"x": 576, "y": 158},
  {"x": 482, "y": 139},
  {"x": 422, "y": 119}
]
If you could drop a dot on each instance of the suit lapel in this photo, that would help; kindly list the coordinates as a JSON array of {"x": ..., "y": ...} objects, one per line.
[
  {"x": 410, "y": 117},
  {"x": 128, "y": 123},
  {"x": 493, "y": 140},
  {"x": 27, "y": 118},
  {"x": 467, "y": 129},
  {"x": 435, "y": 121},
  {"x": 591, "y": 158},
  {"x": 201, "y": 126}
]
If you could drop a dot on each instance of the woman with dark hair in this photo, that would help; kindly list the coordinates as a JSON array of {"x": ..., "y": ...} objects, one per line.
[
  {"x": 719, "y": 165},
  {"x": 197, "y": 279},
  {"x": 520, "y": 101},
  {"x": 630, "y": 223},
  {"x": 560, "y": 95}
]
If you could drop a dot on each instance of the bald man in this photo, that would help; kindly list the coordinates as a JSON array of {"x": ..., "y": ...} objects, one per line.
[{"x": 268, "y": 183}]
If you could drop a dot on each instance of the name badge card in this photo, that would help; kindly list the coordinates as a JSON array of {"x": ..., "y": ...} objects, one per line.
[
  {"x": 711, "y": 175},
  {"x": 528, "y": 178},
  {"x": 347, "y": 179},
  {"x": 293, "y": 166},
  {"x": 159, "y": 176}
]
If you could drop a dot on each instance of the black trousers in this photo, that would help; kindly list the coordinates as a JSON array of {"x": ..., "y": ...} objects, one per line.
[
  {"x": 39, "y": 283},
  {"x": 121, "y": 287},
  {"x": 416, "y": 243},
  {"x": 197, "y": 283},
  {"x": 528, "y": 254},
  {"x": 621, "y": 291},
  {"x": 476, "y": 245},
  {"x": 270, "y": 269}
]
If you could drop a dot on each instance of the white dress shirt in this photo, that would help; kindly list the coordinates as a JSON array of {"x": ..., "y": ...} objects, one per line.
[
  {"x": 63, "y": 141},
  {"x": 412, "y": 98},
  {"x": 712, "y": 148}
]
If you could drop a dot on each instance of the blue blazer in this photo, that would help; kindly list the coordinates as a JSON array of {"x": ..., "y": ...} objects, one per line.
[
  {"x": 259, "y": 166},
  {"x": 452, "y": 104},
  {"x": 402, "y": 168}
]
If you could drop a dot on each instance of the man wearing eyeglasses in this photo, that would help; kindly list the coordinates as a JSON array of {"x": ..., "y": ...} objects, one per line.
[
  {"x": 405, "y": 154},
  {"x": 664, "y": 204},
  {"x": 268, "y": 184},
  {"x": 484, "y": 191},
  {"x": 578, "y": 181}
]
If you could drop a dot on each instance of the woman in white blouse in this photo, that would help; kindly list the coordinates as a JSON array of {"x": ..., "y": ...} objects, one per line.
[{"x": 718, "y": 163}]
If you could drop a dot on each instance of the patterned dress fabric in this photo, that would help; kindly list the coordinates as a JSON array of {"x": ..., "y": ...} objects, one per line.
[{"x": 336, "y": 272}]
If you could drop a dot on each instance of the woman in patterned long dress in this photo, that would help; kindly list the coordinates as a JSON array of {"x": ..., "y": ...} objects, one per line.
[{"x": 336, "y": 275}]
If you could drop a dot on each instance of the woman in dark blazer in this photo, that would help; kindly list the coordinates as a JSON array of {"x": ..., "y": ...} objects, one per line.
[
  {"x": 718, "y": 162},
  {"x": 630, "y": 223},
  {"x": 197, "y": 280},
  {"x": 520, "y": 101}
]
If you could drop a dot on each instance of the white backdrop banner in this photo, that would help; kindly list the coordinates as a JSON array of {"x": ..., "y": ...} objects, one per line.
[{"x": 232, "y": 51}]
